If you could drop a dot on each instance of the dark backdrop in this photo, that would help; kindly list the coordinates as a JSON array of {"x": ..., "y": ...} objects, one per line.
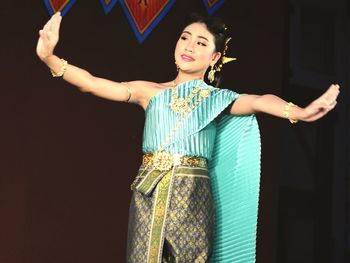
[{"x": 68, "y": 158}]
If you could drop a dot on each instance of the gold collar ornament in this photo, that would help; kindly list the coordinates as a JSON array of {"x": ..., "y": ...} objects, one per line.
[{"x": 182, "y": 105}]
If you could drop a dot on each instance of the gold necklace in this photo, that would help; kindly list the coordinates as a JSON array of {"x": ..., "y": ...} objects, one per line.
[{"x": 182, "y": 105}]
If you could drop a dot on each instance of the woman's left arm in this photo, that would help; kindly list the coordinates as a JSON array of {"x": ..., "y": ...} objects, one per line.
[{"x": 273, "y": 105}]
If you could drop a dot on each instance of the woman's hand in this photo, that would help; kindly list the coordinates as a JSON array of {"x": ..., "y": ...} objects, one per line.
[
  {"x": 319, "y": 107},
  {"x": 48, "y": 37}
]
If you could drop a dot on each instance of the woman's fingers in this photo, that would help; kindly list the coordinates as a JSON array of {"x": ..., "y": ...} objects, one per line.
[
  {"x": 47, "y": 26},
  {"x": 321, "y": 106},
  {"x": 42, "y": 34},
  {"x": 56, "y": 22},
  {"x": 333, "y": 104},
  {"x": 331, "y": 94},
  {"x": 45, "y": 36},
  {"x": 329, "y": 97},
  {"x": 52, "y": 26},
  {"x": 48, "y": 36}
]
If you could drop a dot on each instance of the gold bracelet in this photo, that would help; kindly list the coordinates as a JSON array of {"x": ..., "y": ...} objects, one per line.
[
  {"x": 286, "y": 112},
  {"x": 62, "y": 70}
]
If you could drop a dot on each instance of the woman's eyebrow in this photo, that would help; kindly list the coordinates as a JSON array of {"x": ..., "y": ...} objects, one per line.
[{"x": 187, "y": 32}]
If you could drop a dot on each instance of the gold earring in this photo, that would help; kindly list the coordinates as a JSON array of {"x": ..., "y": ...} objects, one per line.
[
  {"x": 211, "y": 74},
  {"x": 177, "y": 67}
]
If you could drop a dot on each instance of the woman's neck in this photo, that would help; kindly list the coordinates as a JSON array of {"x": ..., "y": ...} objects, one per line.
[{"x": 183, "y": 77}]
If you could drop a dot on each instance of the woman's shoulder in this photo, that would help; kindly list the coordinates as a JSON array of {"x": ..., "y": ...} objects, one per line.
[
  {"x": 145, "y": 90},
  {"x": 222, "y": 91},
  {"x": 144, "y": 84}
]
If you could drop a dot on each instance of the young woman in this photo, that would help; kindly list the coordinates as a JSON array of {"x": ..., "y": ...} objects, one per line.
[{"x": 196, "y": 195}]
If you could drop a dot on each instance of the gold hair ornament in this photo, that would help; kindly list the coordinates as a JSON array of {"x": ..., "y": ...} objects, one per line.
[{"x": 224, "y": 60}]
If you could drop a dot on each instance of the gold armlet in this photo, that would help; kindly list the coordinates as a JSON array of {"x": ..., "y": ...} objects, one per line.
[
  {"x": 128, "y": 90},
  {"x": 129, "y": 94},
  {"x": 286, "y": 112},
  {"x": 62, "y": 70}
]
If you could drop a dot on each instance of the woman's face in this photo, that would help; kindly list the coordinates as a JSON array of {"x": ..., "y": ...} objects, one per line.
[{"x": 195, "y": 49}]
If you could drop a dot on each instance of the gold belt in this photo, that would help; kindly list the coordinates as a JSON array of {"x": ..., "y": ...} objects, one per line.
[{"x": 163, "y": 161}]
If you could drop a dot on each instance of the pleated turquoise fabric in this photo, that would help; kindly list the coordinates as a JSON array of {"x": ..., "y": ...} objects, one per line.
[
  {"x": 232, "y": 146},
  {"x": 235, "y": 177}
]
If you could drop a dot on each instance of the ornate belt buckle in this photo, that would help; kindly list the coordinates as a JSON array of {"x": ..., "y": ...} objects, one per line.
[
  {"x": 162, "y": 161},
  {"x": 177, "y": 159},
  {"x": 194, "y": 162}
]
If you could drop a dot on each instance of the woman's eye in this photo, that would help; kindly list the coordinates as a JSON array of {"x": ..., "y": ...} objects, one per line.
[
  {"x": 183, "y": 38},
  {"x": 202, "y": 44}
]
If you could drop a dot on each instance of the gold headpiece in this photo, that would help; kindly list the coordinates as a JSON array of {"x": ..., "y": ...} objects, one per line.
[{"x": 224, "y": 59}]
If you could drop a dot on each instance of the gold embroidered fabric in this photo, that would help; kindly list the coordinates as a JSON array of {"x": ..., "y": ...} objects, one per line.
[{"x": 175, "y": 223}]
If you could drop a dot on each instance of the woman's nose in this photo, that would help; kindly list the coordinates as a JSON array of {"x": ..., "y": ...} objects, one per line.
[{"x": 189, "y": 47}]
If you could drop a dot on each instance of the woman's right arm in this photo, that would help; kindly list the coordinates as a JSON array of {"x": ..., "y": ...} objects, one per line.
[{"x": 86, "y": 82}]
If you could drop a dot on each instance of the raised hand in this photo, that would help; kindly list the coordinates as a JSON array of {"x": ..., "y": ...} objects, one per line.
[
  {"x": 48, "y": 37},
  {"x": 321, "y": 106}
]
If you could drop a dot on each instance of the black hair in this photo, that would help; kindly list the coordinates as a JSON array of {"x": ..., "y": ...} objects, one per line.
[{"x": 217, "y": 28}]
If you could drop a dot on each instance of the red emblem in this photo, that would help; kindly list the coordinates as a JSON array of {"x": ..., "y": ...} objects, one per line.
[
  {"x": 63, "y": 6},
  {"x": 144, "y": 15}
]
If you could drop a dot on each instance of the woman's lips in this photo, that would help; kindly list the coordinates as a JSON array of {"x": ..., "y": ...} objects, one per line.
[{"x": 187, "y": 58}]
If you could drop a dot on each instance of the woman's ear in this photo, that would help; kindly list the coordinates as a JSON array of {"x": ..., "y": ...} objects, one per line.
[{"x": 216, "y": 57}]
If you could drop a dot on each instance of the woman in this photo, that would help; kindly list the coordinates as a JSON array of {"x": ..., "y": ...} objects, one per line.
[{"x": 192, "y": 130}]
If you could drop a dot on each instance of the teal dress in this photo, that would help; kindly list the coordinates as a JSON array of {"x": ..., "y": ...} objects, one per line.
[{"x": 210, "y": 214}]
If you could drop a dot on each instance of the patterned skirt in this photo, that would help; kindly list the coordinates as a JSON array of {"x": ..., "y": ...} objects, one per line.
[{"x": 174, "y": 223}]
